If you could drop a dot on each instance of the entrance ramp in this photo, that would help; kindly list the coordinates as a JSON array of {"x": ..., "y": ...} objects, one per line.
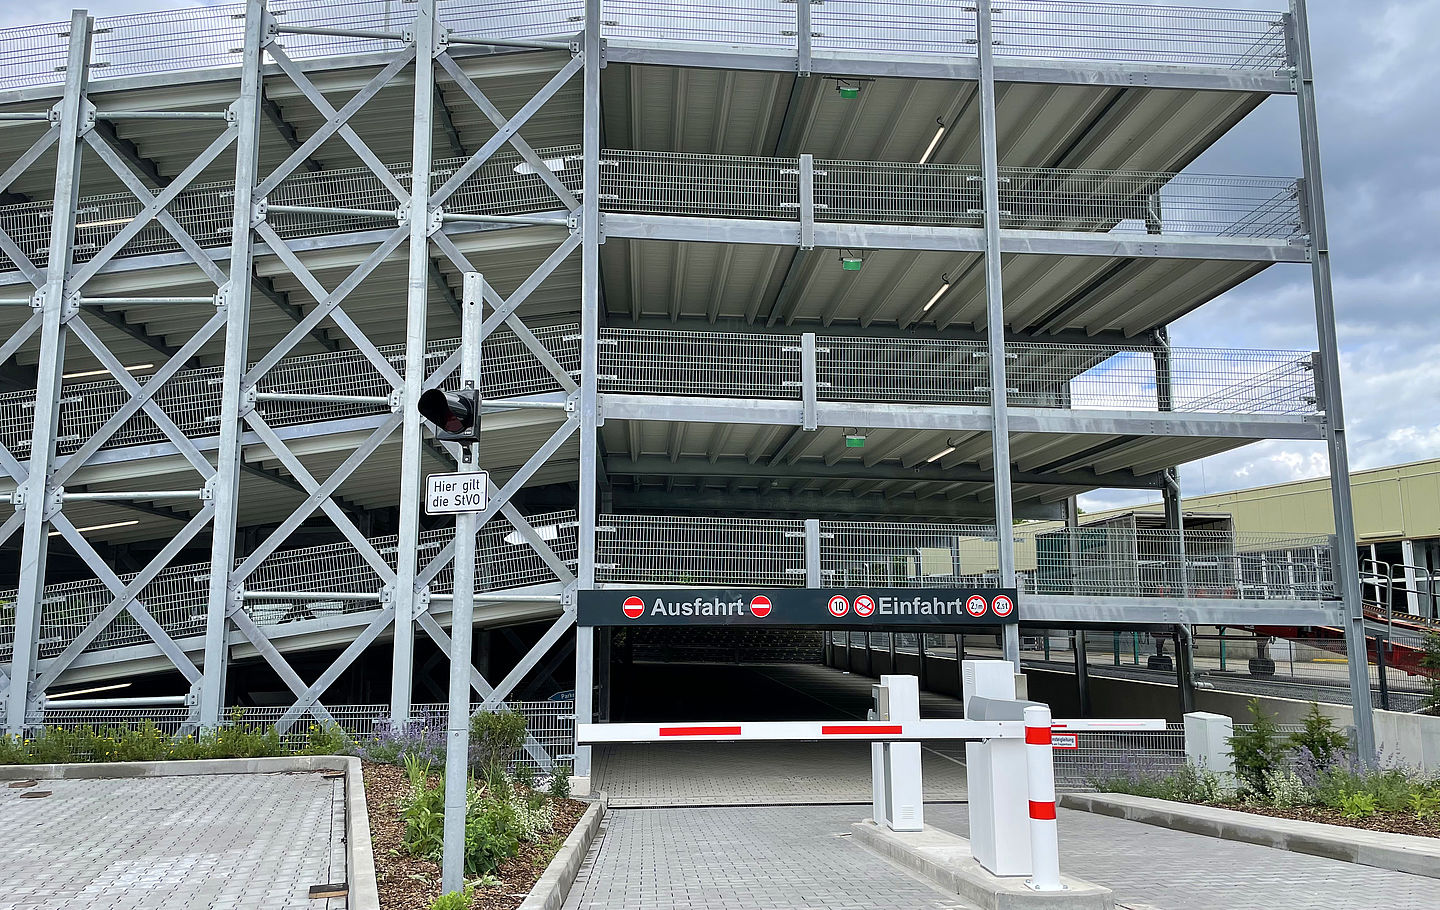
[{"x": 756, "y": 773}]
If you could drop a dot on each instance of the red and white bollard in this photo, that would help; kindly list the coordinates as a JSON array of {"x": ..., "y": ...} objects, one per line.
[{"x": 1040, "y": 771}]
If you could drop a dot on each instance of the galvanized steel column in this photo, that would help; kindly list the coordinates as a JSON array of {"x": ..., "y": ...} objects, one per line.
[
  {"x": 51, "y": 300},
  {"x": 589, "y": 369},
  {"x": 417, "y": 305},
  {"x": 236, "y": 299},
  {"x": 995, "y": 321},
  {"x": 1347, "y": 561}
]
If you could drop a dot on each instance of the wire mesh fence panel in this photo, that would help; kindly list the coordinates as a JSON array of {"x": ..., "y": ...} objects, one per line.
[
  {"x": 901, "y": 370},
  {"x": 1135, "y": 33},
  {"x": 899, "y": 26},
  {"x": 946, "y": 195},
  {"x": 761, "y": 23},
  {"x": 700, "y": 363},
  {"x": 723, "y": 186},
  {"x": 715, "y": 186},
  {"x": 1059, "y": 30},
  {"x": 503, "y": 557},
  {"x": 684, "y": 550},
  {"x": 1098, "y": 757},
  {"x": 508, "y": 19},
  {"x": 1157, "y": 378},
  {"x": 1127, "y": 562},
  {"x": 1149, "y": 203},
  {"x": 551, "y": 723},
  {"x": 900, "y": 555}
]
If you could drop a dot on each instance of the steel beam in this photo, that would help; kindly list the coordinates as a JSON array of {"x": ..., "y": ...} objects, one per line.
[
  {"x": 774, "y": 412},
  {"x": 1347, "y": 570},
  {"x": 811, "y": 504},
  {"x": 53, "y": 298},
  {"x": 407, "y": 597},
  {"x": 591, "y": 51},
  {"x": 701, "y": 466},
  {"x": 995, "y": 320}
]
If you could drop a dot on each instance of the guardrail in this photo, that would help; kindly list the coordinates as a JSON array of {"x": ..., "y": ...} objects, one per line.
[
  {"x": 717, "y": 186},
  {"x": 651, "y": 550},
  {"x": 1063, "y": 30},
  {"x": 662, "y": 362}
]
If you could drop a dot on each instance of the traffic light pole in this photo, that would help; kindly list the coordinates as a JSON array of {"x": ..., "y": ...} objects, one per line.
[{"x": 457, "y": 739}]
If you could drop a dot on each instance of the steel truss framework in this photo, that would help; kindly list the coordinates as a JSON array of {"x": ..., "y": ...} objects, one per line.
[{"x": 415, "y": 58}]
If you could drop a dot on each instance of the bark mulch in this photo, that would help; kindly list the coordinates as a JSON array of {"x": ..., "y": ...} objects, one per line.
[
  {"x": 1390, "y": 822},
  {"x": 412, "y": 882}
]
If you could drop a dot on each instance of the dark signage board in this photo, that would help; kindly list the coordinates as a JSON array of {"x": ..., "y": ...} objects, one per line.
[{"x": 850, "y": 608}]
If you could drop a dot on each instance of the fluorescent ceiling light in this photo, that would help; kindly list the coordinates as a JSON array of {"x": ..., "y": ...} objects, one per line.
[
  {"x": 87, "y": 373},
  {"x": 934, "y": 141},
  {"x": 545, "y": 532},
  {"x": 111, "y": 688},
  {"x": 104, "y": 527},
  {"x": 111, "y": 223},
  {"x": 554, "y": 164},
  {"x": 940, "y": 454},
  {"x": 936, "y": 296}
]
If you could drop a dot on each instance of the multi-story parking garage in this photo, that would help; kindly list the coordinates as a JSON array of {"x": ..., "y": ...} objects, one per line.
[{"x": 771, "y": 290}]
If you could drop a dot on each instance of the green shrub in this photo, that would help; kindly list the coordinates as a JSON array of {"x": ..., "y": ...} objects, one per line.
[
  {"x": 1285, "y": 789},
  {"x": 495, "y": 822},
  {"x": 1188, "y": 784},
  {"x": 1425, "y": 804},
  {"x": 1430, "y": 660},
  {"x": 327, "y": 739},
  {"x": 559, "y": 781},
  {"x": 492, "y": 835},
  {"x": 1320, "y": 738},
  {"x": 1256, "y": 750},
  {"x": 423, "y": 811},
  {"x": 1357, "y": 805},
  {"x": 495, "y": 737},
  {"x": 455, "y": 900}
]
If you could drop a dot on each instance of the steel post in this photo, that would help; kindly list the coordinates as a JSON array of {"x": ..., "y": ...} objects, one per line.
[
  {"x": 589, "y": 368},
  {"x": 52, "y": 300},
  {"x": 225, "y": 490},
  {"x": 1347, "y": 561},
  {"x": 457, "y": 725},
  {"x": 995, "y": 320},
  {"x": 408, "y": 601}
]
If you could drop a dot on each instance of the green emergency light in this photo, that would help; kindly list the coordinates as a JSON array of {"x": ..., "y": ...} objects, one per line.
[
  {"x": 851, "y": 263},
  {"x": 854, "y": 441},
  {"x": 849, "y": 92}
]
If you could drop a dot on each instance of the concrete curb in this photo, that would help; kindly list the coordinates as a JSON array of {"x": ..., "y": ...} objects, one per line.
[
  {"x": 1396, "y": 852},
  {"x": 554, "y": 885},
  {"x": 945, "y": 860},
  {"x": 359, "y": 856}
]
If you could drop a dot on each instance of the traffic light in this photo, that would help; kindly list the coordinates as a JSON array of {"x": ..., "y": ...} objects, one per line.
[{"x": 455, "y": 414}]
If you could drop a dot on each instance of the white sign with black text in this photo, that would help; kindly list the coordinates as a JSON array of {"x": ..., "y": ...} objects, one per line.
[{"x": 456, "y": 494}]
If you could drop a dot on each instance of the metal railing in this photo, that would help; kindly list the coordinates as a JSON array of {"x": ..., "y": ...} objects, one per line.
[
  {"x": 682, "y": 550},
  {"x": 1123, "y": 561},
  {"x": 177, "y": 597},
  {"x": 1063, "y": 30},
  {"x": 663, "y": 362},
  {"x": 716, "y": 186}
]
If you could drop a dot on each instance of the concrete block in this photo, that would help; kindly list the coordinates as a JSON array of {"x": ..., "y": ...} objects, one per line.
[
  {"x": 1207, "y": 742},
  {"x": 945, "y": 860},
  {"x": 550, "y": 891}
]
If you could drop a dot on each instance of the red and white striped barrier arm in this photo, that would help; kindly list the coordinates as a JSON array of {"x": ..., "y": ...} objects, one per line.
[
  {"x": 871, "y": 730},
  {"x": 863, "y": 730}
]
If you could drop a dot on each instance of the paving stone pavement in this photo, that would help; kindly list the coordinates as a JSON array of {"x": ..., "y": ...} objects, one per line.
[
  {"x": 227, "y": 842},
  {"x": 753, "y": 858},
  {"x": 1153, "y": 868}
]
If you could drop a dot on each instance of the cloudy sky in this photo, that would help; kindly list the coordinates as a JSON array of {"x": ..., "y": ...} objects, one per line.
[{"x": 1377, "y": 76}]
